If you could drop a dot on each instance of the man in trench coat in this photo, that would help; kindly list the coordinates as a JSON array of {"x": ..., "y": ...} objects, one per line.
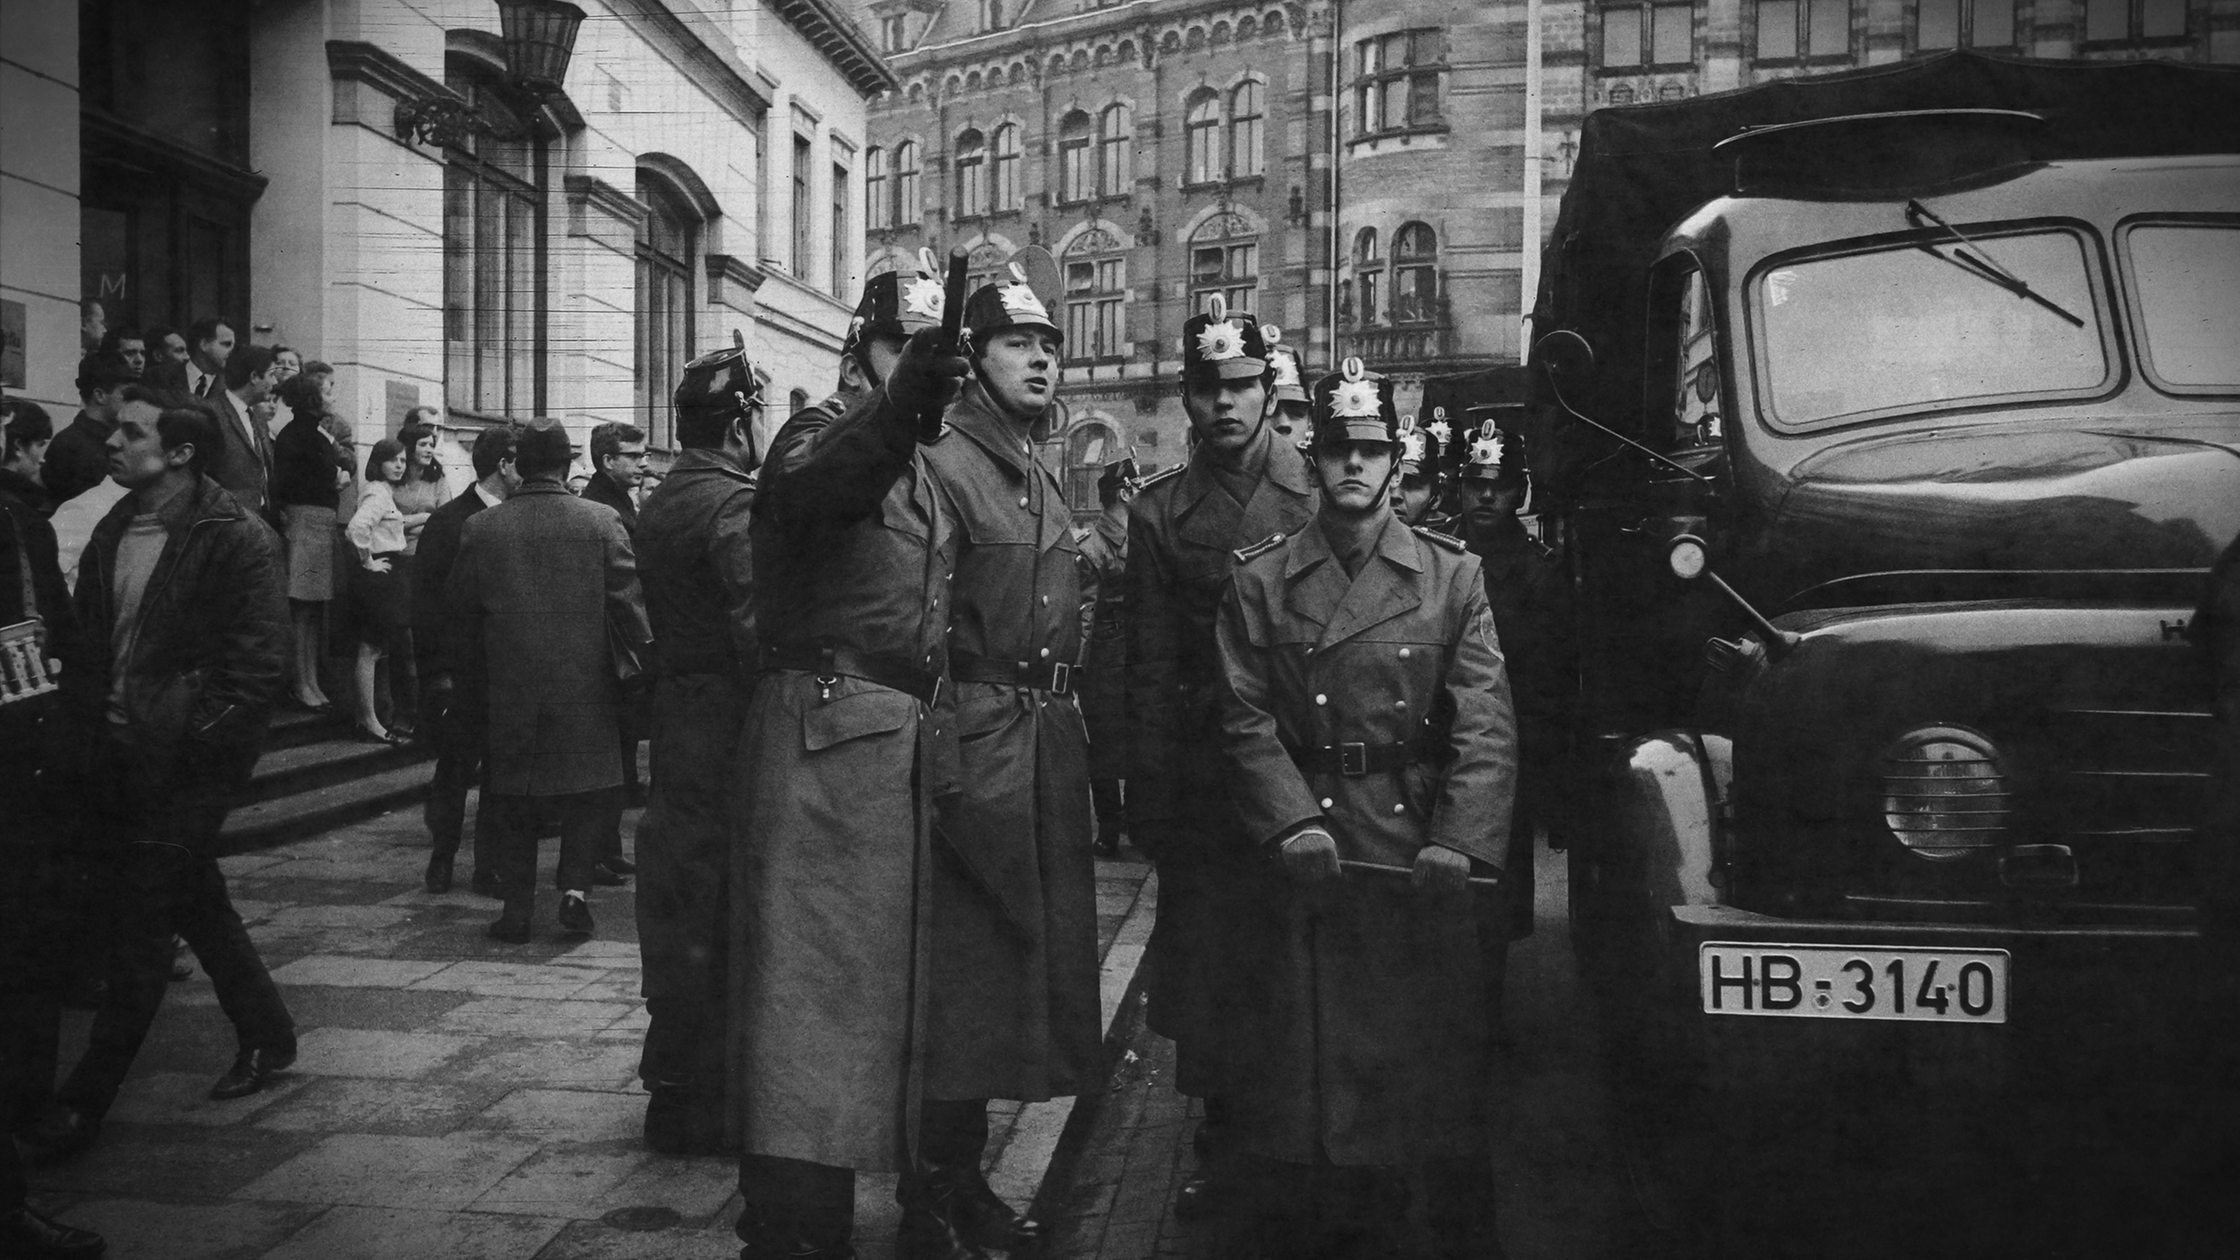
[
  {"x": 1012, "y": 1002},
  {"x": 838, "y": 762},
  {"x": 1367, "y": 719},
  {"x": 542, "y": 581},
  {"x": 1241, "y": 485}
]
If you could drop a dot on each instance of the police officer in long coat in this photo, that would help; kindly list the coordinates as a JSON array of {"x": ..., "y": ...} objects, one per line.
[
  {"x": 1104, "y": 565},
  {"x": 1240, "y": 486},
  {"x": 1367, "y": 720},
  {"x": 1012, "y": 1008},
  {"x": 839, "y": 760},
  {"x": 695, "y": 560}
]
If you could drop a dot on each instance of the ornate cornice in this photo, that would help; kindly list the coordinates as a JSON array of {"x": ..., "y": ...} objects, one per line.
[
  {"x": 843, "y": 44},
  {"x": 355, "y": 61},
  {"x": 732, "y": 281},
  {"x": 592, "y": 193},
  {"x": 701, "y": 50}
]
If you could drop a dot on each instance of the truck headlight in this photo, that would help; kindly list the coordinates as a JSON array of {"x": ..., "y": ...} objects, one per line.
[{"x": 1943, "y": 794}]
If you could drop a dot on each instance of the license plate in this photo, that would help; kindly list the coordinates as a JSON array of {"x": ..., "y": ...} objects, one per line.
[{"x": 1938, "y": 986}]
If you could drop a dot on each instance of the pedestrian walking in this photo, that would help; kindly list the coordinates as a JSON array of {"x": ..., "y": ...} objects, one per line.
[
  {"x": 618, "y": 460},
  {"x": 1011, "y": 1006},
  {"x": 696, "y": 562},
  {"x": 839, "y": 762},
  {"x": 1104, "y": 566},
  {"x": 1239, "y": 486},
  {"x": 454, "y": 696},
  {"x": 1366, "y": 718},
  {"x": 181, "y": 606},
  {"x": 309, "y": 471},
  {"x": 380, "y": 601},
  {"x": 545, "y": 597}
]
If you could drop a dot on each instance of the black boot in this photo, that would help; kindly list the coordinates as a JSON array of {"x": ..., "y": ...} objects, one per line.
[
  {"x": 25, "y": 1233},
  {"x": 933, "y": 1217},
  {"x": 985, "y": 1221},
  {"x": 681, "y": 1121},
  {"x": 763, "y": 1239}
]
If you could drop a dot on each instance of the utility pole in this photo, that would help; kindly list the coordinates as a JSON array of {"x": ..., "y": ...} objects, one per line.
[{"x": 1529, "y": 262}]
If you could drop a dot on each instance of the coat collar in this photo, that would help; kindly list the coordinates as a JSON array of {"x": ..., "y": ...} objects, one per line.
[
  {"x": 1389, "y": 583},
  {"x": 1209, "y": 517},
  {"x": 700, "y": 460},
  {"x": 974, "y": 415},
  {"x": 541, "y": 485}
]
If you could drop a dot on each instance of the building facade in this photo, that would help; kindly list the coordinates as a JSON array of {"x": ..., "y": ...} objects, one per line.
[{"x": 699, "y": 171}]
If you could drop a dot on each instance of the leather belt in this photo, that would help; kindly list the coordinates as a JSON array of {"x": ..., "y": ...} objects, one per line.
[
  {"x": 840, "y": 662},
  {"x": 1055, "y": 677},
  {"x": 1356, "y": 759}
]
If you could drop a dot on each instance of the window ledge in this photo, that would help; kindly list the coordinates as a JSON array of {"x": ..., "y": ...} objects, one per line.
[
  {"x": 1645, "y": 67},
  {"x": 1405, "y": 135},
  {"x": 2144, "y": 41}
]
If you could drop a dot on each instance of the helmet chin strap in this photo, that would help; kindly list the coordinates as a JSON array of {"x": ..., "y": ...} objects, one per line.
[{"x": 1384, "y": 487}]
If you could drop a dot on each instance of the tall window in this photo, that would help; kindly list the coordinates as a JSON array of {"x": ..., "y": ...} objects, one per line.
[
  {"x": 1244, "y": 130},
  {"x": 2107, "y": 21},
  {"x": 1415, "y": 274},
  {"x": 803, "y": 225},
  {"x": 1225, "y": 259},
  {"x": 906, "y": 182},
  {"x": 991, "y": 14},
  {"x": 972, "y": 175},
  {"x": 841, "y": 252},
  {"x": 1963, "y": 23},
  {"x": 1656, "y": 34},
  {"x": 1115, "y": 150},
  {"x": 1792, "y": 29},
  {"x": 1088, "y": 449},
  {"x": 1005, "y": 182},
  {"x": 894, "y": 33},
  {"x": 1368, "y": 275},
  {"x": 493, "y": 254},
  {"x": 983, "y": 265},
  {"x": 1397, "y": 79},
  {"x": 878, "y": 211},
  {"x": 1076, "y": 181},
  {"x": 1201, "y": 138},
  {"x": 668, "y": 244},
  {"x": 1096, "y": 275}
]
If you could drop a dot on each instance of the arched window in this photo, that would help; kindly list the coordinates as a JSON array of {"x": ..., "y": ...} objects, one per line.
[
  {"x": 1090, "y": 446},
  {"x": 1201, "y": 138},
  {"x": 493, "y": 255},
  {"x": 878, "y": 211},
  {"x": 972, "y": 175},
  {"x": 1096, "y": 273},
  {"x": 906, "y": 182},
  {"x": 1004, "y": 189},
  {"x": 1115, "y": 144},
  {"x": 1368, "y": 276},
  {"x": 1244, "y": 130},
  {"x": 1225, "y": 259},
  {"x": 668, "y": 247},
  {"x": 984, "y": 264},
  {"x": 1415, "y": 273},
  {"x": 1075, "y": 182}
]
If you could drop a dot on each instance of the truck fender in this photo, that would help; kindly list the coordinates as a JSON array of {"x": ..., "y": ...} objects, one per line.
[{"x": 1670, "y": 791}]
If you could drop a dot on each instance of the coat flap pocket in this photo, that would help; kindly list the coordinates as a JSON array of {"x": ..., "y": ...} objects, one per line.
[{"x": 853, "y": 717}]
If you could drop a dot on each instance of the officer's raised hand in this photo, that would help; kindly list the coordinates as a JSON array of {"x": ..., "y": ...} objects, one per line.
[
  {"x": 1440, "y": 872},
  {"x": 1310, "y": 858},
  {"x": 926, "y": 379}
]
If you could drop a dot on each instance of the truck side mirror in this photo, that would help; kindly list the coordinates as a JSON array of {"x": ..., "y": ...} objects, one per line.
[
  {"x": 1564, "y": 353},
  {"x": 1690, "y": 560}
]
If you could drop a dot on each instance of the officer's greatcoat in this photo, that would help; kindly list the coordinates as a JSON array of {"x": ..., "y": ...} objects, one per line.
[
  {"x": 1012, "y": 1009},
  {"x": 1367, "y": 1021},
  {"x": 1184, "y": 530},
  {"x": 839, "y": 758},
  {"x": 1104, "y": 564},
  {"x": 1531, "y": 601}
]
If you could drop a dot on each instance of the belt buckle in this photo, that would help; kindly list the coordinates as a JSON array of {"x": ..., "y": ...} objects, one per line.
[
  {"x": 1061, "y": 677},
  {"x": 1353, "y": 760}
]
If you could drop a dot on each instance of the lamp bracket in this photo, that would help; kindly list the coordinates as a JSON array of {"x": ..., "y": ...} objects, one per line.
[{"x": 437, "y": 120}]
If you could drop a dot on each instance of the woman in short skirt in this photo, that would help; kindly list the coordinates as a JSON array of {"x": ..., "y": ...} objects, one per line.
[
  {"x": 379, "y": 595},
  {"x": 308, "y": 473}
]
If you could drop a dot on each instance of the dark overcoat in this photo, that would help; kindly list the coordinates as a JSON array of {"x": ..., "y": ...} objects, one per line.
[
  {"x": 1530, "y": 596},
  {"x": 1368, "y": 1018},
  {"x": 1013, "y": 1004},
  {"x": 836, "y": 776},
  {"x": 1183, "y": 533},
  {"x": 1104, "y": 566},
  {"x": 538, "y": 581}
]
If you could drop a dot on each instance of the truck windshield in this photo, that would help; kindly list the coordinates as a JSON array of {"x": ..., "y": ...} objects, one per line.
[
  {"x": 1891, "y": 330},
  {"x": 2187, "y": 277}
]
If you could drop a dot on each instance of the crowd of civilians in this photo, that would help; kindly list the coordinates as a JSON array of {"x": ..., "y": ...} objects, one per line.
[{"x": 199, "y": 546}]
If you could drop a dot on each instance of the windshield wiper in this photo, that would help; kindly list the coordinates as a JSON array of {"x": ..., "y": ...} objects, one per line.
[{"x": 1980, "y": 264}]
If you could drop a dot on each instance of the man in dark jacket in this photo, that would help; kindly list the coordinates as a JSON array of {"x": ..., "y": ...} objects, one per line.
[
  {"x": 1240, "y": 485},
  {"x": 454, "y": 697},
  {"x": 1104, "y": 565},
  {"x": 183, "y": 619},
  {"x": 618, "y": 461},
  {"x": 79, "y": 459},
  {"x": 695, "y": 558}
]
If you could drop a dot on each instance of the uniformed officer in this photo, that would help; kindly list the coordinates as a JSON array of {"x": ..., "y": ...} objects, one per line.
[
  {"x": 1366, "y": 720},
  {"x": 1288, "y": 388},
  {"x": 695, "y": 560},
  {"x": 1239, "y": 486},
  {"x": 1531, "y": 601},
  {"x": 1415, "y": 492},
  {"x": 839, "y": 759},
  {"x": 1012, "y": 1010},
  {"x": 1104, "y": 562}
]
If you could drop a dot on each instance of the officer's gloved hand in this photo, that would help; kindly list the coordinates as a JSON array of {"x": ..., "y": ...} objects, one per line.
[
  {"x": 925, "y": 381},
  {"x": 1310, "y": 857},
  {"x": 1440, "y": 872}
]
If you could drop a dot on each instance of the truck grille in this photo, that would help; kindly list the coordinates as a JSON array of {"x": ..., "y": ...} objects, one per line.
[{"x": 2125, "y": 789}]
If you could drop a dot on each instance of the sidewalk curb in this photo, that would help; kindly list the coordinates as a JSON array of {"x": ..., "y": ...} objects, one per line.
[{"x": 1046, "y": 1136}]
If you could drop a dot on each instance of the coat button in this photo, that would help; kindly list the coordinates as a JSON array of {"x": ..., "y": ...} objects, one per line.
[
  {"x": 1046, "y": 654},
  {"x": 1321, "y": 699},
  {"x": 1046, "y": 601},
  {"x": 1277, "y": 538},
  {"x": 1326, "y": 802},
  {"x": 1022, "y": 500},
  {"x": 1403, "y": 654},
  {"x": 1399, "y": 809},
  {"x": 1399, "y": 704}
]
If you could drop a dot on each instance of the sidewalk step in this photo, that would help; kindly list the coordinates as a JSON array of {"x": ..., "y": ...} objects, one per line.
[
  {"x": 285, "y": 771},
  {"x": 298, "y": 815},
  {"x": 293, "y": 728}
]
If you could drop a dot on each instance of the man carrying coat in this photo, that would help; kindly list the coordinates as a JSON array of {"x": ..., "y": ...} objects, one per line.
[
  {"x": 1240, "y": 486},
  {"x": 1011, "y": 1009},
  {"x": 544, "y": 587},
  {"x": 839, "y": 760},
  {"x": 695, "y": 560},
  {"x": 1367, "y": 721}
]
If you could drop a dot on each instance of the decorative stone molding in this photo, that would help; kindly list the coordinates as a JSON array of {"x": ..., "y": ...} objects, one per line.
[
  {"x": 732, "y": 281},
  {"x": 599, "y": 211},
  {"x": 369, "y": 83}
]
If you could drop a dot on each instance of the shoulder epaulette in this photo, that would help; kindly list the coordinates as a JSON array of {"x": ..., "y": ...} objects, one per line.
[
  {"x": 1261, "y": 548},
  {"x": 1435, "y": 538},
  {"x": 1159, "y": 476},
  {"x": 1081, "y": 533}
]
